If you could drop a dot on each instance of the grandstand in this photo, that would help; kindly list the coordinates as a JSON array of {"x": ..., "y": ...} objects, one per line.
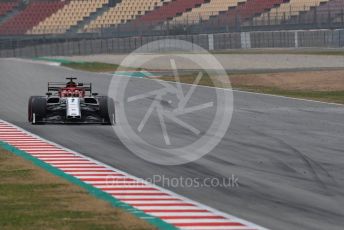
[
  {"x": 205, "y": 11},
  {"x": 168, "y": 11},
  {"x": 46, "y": 17},
  {"x": 123, "y": 12},
  {"x": 289, "y": 9},
  {"x": 244, "y": 12},
  {"x": 7, "y": 6},
  {"x": 31, "y": 15},
  {"x": 326, "y": 12},
  {"x": 68, "y": 16}
]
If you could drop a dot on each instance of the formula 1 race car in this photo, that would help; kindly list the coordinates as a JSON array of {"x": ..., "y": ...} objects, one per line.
[{"x": 71, "y": 103}]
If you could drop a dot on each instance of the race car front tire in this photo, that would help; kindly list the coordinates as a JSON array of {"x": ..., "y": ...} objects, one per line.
[
  {"x": 107, "y": 109},
  {"x": 37, "y": 109}
]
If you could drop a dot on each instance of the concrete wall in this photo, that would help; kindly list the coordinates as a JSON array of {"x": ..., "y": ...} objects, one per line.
[{"x": 244, "y": 40}]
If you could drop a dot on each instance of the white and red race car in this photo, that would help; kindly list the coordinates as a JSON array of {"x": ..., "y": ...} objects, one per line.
[{"x": 71, "y": 103}]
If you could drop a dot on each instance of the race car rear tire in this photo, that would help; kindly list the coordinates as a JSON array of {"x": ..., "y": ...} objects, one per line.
[
  {"x": 107, "y": 110},
  {"x": 37, "y": 109}
]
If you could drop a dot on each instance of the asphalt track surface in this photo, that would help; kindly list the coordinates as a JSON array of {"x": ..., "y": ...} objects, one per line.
[{"x": 287, "y": 154}]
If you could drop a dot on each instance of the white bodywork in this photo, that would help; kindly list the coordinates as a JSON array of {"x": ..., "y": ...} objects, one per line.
[{"x": 73, "y": 107}]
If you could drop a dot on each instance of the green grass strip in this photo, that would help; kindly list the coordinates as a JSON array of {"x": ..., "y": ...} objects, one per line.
[{"x": 157, "y": 222}]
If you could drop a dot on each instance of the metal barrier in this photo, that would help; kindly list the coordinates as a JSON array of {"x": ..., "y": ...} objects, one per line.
[{"x": 220, "y": 41}]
